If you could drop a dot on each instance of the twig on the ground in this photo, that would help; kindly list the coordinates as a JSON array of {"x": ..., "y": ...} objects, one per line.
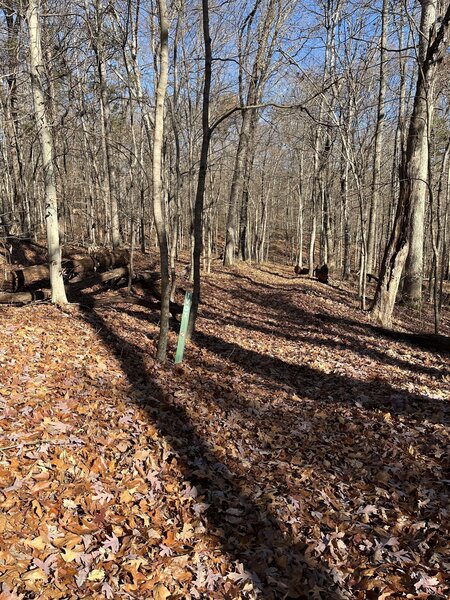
[{"x": 37, "y": 442}]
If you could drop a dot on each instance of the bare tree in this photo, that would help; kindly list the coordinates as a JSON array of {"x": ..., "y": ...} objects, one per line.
[
  {"x": 206, "y": 138},
  {"x": 45, "y": 134},
  {"x": 159, "y": 210},
  {"x": 378, "y": 141},
  {"x": 412, "y": 286},
  {"x": 412, "y": 174}
]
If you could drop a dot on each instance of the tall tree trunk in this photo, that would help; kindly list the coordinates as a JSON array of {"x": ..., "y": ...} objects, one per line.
[
  {"x": 299, "y": 240},
  {"x": 411, "y": 176},
  {"x": 236, "y": 188},
  {"x": 45, "y": 134},
  {"x": 438, "y": 237},
  {"x": 200, "y": 194},
  {"x": 110, "y": 175},
  {"x": 159, "y": 211},
  {"x": 346, "y": 219},
  {"x": 412, "y": 286},
  {"x": 18, "y": 209},
  {"x": 243, "y": 225},
  {"x": 378, "y": 143},
  {"x": 258, "y": 77},
  {"x": 110, "y": 187}
]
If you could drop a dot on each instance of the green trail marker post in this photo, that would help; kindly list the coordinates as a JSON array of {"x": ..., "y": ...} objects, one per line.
[{"x": 183, "y": 327}]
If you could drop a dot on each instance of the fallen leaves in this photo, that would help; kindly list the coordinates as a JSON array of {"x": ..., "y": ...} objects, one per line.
[{"x": 293, "y": 452}]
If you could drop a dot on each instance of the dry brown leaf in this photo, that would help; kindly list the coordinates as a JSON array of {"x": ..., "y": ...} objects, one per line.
[{"x": 160, "y": 592}]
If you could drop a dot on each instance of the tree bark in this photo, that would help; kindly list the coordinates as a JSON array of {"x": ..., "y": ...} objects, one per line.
[
  {"x": 24, "y": 297},
  {"x": 51, "y": 203},
  {"x": 411, "y": 176},
  {"x": 236, "y": 189},
  {"x": 203, "y": 168},
  {"x": 412, "y": 286},
  {"x": 257, "y": 80},
  {"x": 109, "y": 183},
  {"x": 159, "y": 211},
  {"x": 378, "y": 143}
]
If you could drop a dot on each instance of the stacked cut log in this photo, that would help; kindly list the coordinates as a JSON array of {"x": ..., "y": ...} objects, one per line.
[
  {"x": 24, "y": 297},
  {"x": 81, "y": 270},
  {"x": 6, "y": 279},
  {"x": 75, "y": 268}
]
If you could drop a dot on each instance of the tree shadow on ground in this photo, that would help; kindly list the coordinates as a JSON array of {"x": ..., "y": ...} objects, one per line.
[
  {"x": 288, "y": 310},
  {"x": 257, "y": 540},
  {"x": 338, "y": 389},
  {"x": 315, "y": 337},
  {"x": 262, "y": 540},
  {"x": 263, "y": 543},
  {"x": 289, "y": 322}
]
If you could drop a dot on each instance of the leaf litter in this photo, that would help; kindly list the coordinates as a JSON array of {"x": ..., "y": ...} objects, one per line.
[{"x": 296, "y": 453}]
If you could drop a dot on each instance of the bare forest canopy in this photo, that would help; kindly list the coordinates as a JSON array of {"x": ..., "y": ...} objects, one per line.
[{"x": 313, "y": 133}]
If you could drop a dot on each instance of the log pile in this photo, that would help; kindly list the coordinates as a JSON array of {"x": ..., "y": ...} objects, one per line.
[
  {"x": 22, "y": 282},
  {"x": 76, "y": 266}
]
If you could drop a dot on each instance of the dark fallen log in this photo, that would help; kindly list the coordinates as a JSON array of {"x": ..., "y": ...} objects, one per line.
[
  {"x": 27, "y": 253},
  {"x": 78, "y": 267},
  {"x": 82, "y": 283},
  {"x": 153, "y": 288},
  {"x": 321, "y": 273},
  {"x": 106, "y": 259},
  {"x": 121, "y": 273},
  {"x": 73, "y": 252},
  {"x": 147, "y": 277},
  {"x": 100, "y": 260},
  {"x": 301, "y": 270},
  {"x": 23, "y": 251},
  {"x": 24, "y": 297},
  {"x": 36, "y": 276},
  {"x": 90, "y": 302}
]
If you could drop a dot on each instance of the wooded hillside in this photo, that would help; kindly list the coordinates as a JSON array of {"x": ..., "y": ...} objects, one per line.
[
  {"x": 298, "y": 452},
  {"x": 224, "y": 299},
  {"x": 308, "y": 132}
]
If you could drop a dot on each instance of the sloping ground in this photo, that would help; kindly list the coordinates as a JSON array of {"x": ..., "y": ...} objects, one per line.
[{"x": 296, "y": 453}]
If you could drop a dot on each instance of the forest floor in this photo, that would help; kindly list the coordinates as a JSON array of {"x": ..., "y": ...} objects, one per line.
[{"x": 297, "y": 452}]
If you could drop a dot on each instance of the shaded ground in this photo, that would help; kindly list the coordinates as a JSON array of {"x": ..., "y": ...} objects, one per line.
[{"x": 296, "y": 453}]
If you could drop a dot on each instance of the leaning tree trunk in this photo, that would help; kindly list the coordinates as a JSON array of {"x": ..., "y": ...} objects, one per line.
[
  {"x": 411, "y": 184},
  {"x": 159, "y": 211},
  {"x": 45, "y": 134}
]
